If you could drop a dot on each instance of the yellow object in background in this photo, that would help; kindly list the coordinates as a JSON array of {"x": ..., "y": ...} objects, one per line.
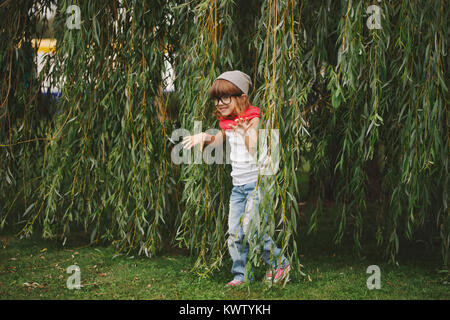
[{"x": 45, "y": 45}]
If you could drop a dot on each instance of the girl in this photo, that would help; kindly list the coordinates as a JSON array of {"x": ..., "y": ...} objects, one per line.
[{"x": 239, "y": 121}]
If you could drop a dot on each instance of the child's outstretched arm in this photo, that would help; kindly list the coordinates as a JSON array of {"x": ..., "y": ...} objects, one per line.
[{"x": 203, "y": 138}]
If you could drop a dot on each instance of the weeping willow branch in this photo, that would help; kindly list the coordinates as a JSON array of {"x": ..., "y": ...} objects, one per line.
[{"x": 366, "y": 107}]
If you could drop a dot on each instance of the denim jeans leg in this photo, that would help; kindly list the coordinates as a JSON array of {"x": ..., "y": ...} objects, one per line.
[
  {"x": 244, "y": 210},
  {"x": 237, "y": 251},
  {"x": 271, "y": 253},
  {"x": 251, "y": 216}
]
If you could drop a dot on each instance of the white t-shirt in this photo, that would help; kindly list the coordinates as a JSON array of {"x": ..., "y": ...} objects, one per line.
[{"x": 245, "y": 167}]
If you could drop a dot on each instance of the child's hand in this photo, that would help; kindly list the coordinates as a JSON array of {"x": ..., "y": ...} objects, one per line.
[
  {"x": 190, "y": 141},
  {"x": 241, "y": 127}
]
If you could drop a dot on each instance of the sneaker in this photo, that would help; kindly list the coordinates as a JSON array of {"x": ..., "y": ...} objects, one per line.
[
  {"x": 234, "y": 283},
  {"x": 280, "y": 274}
]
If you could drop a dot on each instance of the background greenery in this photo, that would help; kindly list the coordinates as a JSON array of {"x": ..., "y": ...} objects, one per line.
[{"x": 362, "y": 114}]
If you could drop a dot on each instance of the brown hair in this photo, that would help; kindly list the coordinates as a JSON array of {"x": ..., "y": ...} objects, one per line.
[{"x": 222, "y": 87}]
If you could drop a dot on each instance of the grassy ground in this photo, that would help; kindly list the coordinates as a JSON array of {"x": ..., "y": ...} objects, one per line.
[{"x": 37, "y": 269}]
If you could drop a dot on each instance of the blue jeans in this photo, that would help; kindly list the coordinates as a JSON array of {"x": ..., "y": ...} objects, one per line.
[{"x": 244, "y": 202}]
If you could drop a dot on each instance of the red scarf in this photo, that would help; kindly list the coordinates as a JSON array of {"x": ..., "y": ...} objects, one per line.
[{"x": 250, "y": 113}]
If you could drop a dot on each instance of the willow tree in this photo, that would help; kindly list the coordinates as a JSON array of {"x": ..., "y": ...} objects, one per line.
[
  {"x": 25, "y": 114},
  {"x": 358, "y": 87}
]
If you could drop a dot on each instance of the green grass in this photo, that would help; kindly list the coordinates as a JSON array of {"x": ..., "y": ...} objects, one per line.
[{"x": 36, "y": 269}]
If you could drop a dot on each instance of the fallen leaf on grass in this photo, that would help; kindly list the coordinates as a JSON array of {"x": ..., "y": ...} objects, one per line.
[
  {"x": 102, "y": 274},
  {"x": 33, "y": 285},
  {"x": 60, "y": 268}
]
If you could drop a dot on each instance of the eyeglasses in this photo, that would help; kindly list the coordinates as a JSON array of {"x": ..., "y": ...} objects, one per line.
[{"x": 224, "y": 99}]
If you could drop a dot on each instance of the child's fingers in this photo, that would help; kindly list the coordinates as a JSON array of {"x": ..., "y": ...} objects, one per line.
[
  {"x": 241, "y": 121},
  {"x": 187, "y": 142},
  {"x": 238, "y": 121}
]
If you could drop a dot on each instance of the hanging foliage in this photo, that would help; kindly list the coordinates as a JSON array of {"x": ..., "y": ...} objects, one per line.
[
  {"x": 25, "y": 113},
  {"x": 358, "y": 88}
]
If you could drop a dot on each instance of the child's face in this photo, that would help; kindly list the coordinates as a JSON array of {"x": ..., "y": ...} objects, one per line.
[{"x": 226, "y": 105}]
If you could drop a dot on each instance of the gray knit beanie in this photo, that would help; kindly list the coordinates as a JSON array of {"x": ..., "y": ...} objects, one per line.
[{"x": 238, "y": 78}]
